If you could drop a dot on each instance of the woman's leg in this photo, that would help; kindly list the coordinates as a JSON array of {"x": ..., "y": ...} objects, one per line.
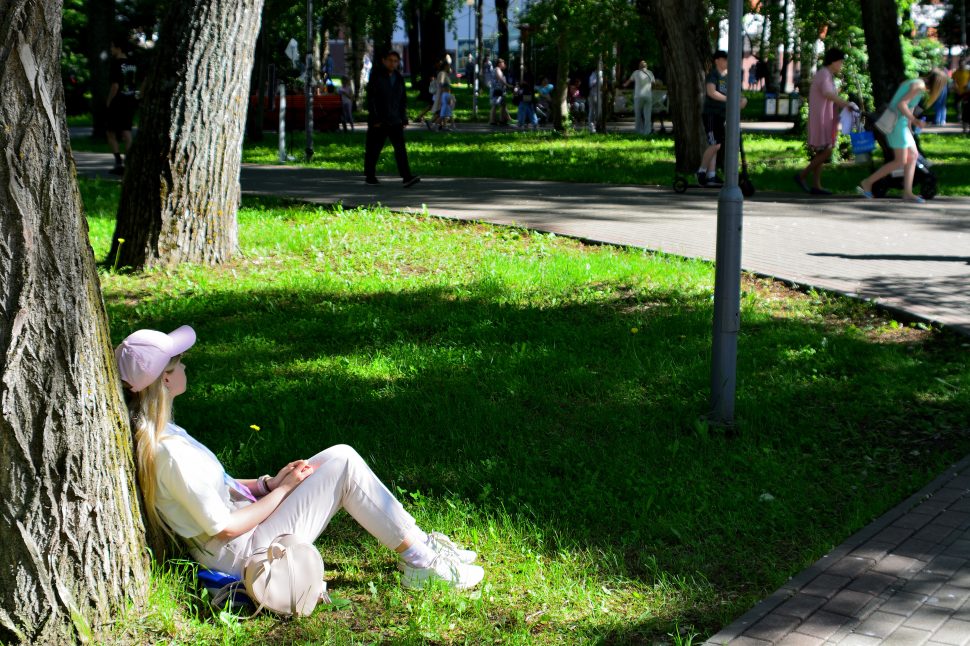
[
  {"x": 909, "y": 173},
  {"x": 899, "y": 159},
  {"x": 341, "y": 480}
]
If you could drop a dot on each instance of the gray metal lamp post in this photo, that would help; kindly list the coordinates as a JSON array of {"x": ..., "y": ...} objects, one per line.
[
  {"x": 308, "y": 86},
  {"x": 727, "y": 274}
]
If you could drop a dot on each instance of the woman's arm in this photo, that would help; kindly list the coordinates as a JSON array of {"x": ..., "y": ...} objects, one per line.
[
  {"x": 903, "y": 106},
  {"x": 243, "y": 520}
]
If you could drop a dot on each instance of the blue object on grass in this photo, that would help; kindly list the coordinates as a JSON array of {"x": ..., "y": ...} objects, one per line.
[{"x": 215, "y": 582}]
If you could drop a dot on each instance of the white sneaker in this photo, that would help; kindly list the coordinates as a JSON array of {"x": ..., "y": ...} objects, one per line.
[
  {"x": 441, "y": 543},
  {"x": 445, "y": 568}
]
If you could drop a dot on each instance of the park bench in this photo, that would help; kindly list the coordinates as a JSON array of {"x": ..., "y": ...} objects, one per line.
[{"x": 326, "y": 112}]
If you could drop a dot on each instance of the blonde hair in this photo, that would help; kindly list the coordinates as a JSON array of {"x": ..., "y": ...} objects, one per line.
[
  {"x": 935, "y": 81},
  {"x": 150, "y": 411}
]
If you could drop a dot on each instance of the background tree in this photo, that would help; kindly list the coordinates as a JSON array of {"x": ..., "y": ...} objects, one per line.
[
  {"x": 686, "y": 42},
  {"x": 880, "y": 21},
  {"x": 502, "y": 18},
  {"x": 181, "y": 190},
  {"x": 71, "y": 528}
]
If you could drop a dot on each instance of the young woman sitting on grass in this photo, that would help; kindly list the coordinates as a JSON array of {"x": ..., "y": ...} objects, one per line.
[{"x": 188, "y": 493}]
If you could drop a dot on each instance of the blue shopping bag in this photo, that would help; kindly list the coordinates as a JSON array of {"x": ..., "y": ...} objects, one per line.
[
  {"x": 863, "y": 142},
  {"x": 224, "y": 589}
]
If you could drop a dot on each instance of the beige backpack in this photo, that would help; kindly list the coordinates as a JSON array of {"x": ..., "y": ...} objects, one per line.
[{"x": 286, "y": 577}]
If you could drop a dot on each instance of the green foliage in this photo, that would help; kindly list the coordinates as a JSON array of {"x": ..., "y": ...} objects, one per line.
[
  {"x": 540, "y": 399},
  {"x": 920, "y": 55}
]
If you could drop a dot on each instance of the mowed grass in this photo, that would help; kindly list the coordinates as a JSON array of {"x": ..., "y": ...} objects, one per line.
[{"x": 541, "y": 400}]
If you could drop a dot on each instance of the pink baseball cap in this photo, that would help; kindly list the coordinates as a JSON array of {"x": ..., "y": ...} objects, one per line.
[{"x": 142, "y": 357}]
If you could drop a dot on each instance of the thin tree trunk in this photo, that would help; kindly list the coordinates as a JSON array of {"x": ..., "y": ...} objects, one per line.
[
  {"x": 560, "y": 104},
  {"x": 413, "y": 22},
  {"x": 502, "y": 16},
  {"x": 181, "y": 189},
  {"x": 880, "y": 21},
  {"x": 73, "y": 543},
  {"x": 684, "y": 39},
  {"x": 101, "y": 15}
]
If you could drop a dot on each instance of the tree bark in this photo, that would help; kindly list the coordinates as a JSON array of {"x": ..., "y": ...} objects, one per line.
[
  {"x": 685, "y": 42},
  {"x": 502, "y": 16},
  {"x": 181, "y": 188},
  {"x": 880, "y": 21},
  {"x": 71, "y": 522}
]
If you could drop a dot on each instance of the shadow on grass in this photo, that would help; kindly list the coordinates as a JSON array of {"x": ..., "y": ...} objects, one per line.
[{"x": 567, "y": 419}]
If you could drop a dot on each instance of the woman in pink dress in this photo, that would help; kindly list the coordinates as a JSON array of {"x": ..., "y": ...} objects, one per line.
[{"x": 823, "y": 120}]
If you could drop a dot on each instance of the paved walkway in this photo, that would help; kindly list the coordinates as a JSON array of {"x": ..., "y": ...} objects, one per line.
[
  {"x": 913, "y": 258},
  {"x": 904, "y": 579}
]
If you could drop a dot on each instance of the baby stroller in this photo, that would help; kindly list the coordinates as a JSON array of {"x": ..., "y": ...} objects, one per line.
[{"x": 924, "y": 180}]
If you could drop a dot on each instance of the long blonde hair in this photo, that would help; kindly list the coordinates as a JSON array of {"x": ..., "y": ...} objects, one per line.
[
  {"x": 150, "y": 410},
  {"x": 935, "y": 81}
]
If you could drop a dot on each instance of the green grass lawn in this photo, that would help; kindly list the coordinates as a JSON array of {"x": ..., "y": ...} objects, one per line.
[{"x": 541, "y": 400}]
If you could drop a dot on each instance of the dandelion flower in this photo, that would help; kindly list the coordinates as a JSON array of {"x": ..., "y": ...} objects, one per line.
[{"x": 254, "y": 427}]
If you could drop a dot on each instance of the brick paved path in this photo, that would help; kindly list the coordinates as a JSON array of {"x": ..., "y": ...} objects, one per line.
[{"x": 903, "y": 580}]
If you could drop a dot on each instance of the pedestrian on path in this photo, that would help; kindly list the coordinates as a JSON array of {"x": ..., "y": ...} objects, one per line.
[
  {"x": 594, "y": 99},
  {"x": 642, "y": 80},
  {"x": 346, "y": 93},
  {"x": 714, "y": 114},
  {"x": 435, "y": 92},
  {"x": 499, "y": 87},
  {"x": 526, "y": 113},
  {"x": 961, "y": 88},
  {"x": 189, "y": 496},
  {"x": 900, "y": 138},
  {"x": 122, "y": 100},
  {"x": 446, "y": 117},
  {"x": 386, "y": 117},
  {"x": 823, "y": 120}
]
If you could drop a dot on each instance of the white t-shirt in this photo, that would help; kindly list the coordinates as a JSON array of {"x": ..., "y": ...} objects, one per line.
[
  {"x": 193, "y": 491},
  {"x": 642, "y": 84}
]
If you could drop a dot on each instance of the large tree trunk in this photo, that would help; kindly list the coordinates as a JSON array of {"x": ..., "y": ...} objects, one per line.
[
  {"x": 71, "y": 523},
  {"x": 880, "y": 21},
  {"x": 502, "y": 16},
  {"x": 181, "y": 188},
  {"x": 682, "y": 31}
]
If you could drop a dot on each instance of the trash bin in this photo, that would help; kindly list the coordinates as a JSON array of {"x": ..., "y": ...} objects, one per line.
[
  {"x": 795, "y": 102},
  {"x": 771, "y": 104}
]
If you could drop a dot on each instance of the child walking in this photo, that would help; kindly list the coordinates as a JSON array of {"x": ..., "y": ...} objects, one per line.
[{"x": 446, "y": 117}]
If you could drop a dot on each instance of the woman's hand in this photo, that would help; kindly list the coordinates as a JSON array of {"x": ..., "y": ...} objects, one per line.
[{"x": 291, "y": 475}]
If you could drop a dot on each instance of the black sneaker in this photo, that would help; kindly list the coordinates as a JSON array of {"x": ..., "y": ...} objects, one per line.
[
  {"x": 702, "y": 178},
  {"x": 411, "y": 181},
  {"x": 715, "y": 181},
  {"x": 117, "y": 170},
  {"x": 371, "y": 180}
]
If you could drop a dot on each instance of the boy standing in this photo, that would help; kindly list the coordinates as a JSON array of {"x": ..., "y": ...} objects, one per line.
[{"x": 714, "y": 115}]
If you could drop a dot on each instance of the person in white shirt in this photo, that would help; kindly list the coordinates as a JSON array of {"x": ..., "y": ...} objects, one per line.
[
  {"x": 188, "y": 494},
  {"x": 642, "y": 80}
]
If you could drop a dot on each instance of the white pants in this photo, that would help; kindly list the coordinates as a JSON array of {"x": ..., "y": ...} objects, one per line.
[
  {"x": 643, "y": 112},
  {"x": 341, "y": 480}
]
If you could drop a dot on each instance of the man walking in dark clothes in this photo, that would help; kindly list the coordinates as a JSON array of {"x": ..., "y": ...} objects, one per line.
[
  {"x": 386, "y": 118},
  {"x": 121, "y": 101}
]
